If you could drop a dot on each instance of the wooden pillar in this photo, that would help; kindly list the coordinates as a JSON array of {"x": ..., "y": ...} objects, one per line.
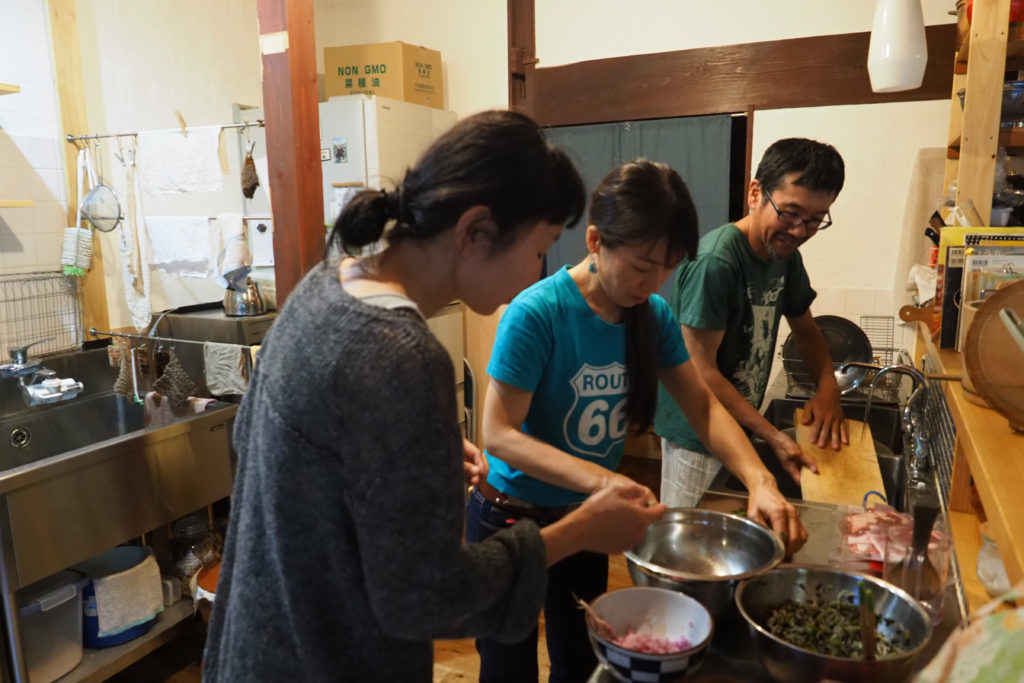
[
  {"x": 67, "y": 64},
  {"x": 522, "y": 55},
  {"x": 288, "y": 49}
]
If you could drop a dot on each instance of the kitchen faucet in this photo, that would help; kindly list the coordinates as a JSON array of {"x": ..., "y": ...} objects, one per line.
[
  {"x": 916, "y": 448},
  {"x": 39, "y": 385}
]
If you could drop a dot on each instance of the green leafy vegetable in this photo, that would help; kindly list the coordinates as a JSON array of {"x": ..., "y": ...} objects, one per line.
[{"x": 833, "y": 628}]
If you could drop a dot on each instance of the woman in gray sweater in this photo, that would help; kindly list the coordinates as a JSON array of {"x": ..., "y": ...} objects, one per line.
[{"x": 344, "y": 556}]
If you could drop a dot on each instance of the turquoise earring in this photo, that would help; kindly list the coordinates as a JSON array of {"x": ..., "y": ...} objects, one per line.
[{"x": 593, "y": 266}]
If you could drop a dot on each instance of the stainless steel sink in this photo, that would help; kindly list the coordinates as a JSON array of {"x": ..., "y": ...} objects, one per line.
[
  {"x": 79, "y": 477},
  {"x": 33, "y": 435},
  {"x": 884, "y": 421},
  {"x": 891, "y": 467}
]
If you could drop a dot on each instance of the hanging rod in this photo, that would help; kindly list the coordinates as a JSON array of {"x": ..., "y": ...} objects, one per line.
[
  {"x": 72, "y": 138},
  {"x": 145, "y": 337}
]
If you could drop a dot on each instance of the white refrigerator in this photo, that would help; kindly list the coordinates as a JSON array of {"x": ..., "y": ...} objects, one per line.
[{"x": 368, "y": 141}]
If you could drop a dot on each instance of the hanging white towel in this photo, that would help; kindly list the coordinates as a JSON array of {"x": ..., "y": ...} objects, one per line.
[
  {"x": 171, "y": 163},
  {"x": 226, "y": 368},
  {"x": 180, "y": 245},
  {"x": 234, "y": 259}
]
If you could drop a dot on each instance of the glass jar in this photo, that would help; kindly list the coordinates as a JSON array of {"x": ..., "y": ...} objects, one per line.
[{"x": 193, "y": 546}]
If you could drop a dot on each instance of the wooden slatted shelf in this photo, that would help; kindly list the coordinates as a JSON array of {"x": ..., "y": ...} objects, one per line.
[
  {"x": 1014, "y": 49},
  {"x": 1010, "y": 138},
  {"x": 15, "y": 203},
  {"x": 8, "y": 89}
]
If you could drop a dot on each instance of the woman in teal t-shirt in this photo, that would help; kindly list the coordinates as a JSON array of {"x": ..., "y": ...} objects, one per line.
[{"x": 575, "y": 365}]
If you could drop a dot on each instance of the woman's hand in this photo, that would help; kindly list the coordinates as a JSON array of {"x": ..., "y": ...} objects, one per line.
[
  {"x": 616, "y": 516},
  {"x": 790, "y": 455},
  {"x": 474, "y": 464},
  {"x": 768, "y": 506}
]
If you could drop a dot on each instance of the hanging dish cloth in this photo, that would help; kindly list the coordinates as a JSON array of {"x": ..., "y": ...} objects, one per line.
[
  {"x": 125, "y": 381},
  {"x": 250, "y": 179},
  {"x": 180, "y": 245},
  {"x": 226, "y": 368},
  {"x": 175, "y": 383},
  {"x": 135, "y": 249},
  {"x": 173, "y": 163}
]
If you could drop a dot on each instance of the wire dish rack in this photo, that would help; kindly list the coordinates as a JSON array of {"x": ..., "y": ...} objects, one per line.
[
  {"x": 879, "y": 331},
  {"x": 35, "y": 306}
]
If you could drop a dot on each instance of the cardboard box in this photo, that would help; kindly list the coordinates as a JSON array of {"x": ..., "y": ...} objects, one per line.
[{"x": 397, "y": 70}]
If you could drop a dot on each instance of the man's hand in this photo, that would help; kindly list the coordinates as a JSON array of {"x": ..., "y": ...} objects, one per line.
[
  {"x": 790, "y": 455},
  {"x": 825, "y": 416},
  {"x": 474, "y": 464},
  {"x": 766, "y": 505},
  {"x": 615, "y": 517}
]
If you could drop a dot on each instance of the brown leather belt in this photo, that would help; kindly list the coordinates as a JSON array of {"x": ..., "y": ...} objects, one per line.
[{"x": 522, "y": 507}]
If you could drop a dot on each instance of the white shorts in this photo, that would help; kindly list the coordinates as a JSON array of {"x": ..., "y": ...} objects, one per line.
[{"x": 685, "y": 475}]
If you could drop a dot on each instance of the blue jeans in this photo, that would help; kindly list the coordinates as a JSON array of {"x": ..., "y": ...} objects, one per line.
[{"x": 584, "y": 575}]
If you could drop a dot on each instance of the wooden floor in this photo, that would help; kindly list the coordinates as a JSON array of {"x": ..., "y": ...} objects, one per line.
[{"x": 454, "y": 660}]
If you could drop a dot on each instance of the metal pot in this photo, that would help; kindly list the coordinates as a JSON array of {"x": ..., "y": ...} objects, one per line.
[
  {"x": 758, "y": 597},
  {"x": 703, "y": 553},
  {"x": 247, "y": 300}
]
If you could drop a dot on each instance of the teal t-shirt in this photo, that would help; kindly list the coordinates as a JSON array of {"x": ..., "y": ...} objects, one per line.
[
  {"x": 551, "y": 343},
  {"x": 729, "y": 287}
]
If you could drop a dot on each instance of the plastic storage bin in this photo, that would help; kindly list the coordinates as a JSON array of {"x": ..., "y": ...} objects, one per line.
[
  {"x": 124, "y": 562},
  {"x": 50, "y": 615}
]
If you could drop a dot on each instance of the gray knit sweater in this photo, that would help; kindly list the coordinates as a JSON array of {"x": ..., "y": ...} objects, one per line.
[{"x": 344, "y": 555}]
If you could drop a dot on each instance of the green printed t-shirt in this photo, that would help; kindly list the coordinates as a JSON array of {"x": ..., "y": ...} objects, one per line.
[{"x": 729, "y": 287}]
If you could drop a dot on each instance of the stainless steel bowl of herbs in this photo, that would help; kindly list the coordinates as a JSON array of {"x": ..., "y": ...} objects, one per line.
[{"x": 805, "y": 623}]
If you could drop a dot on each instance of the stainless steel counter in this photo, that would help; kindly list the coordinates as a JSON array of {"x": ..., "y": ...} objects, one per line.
[{"x": 732, "y": 656}]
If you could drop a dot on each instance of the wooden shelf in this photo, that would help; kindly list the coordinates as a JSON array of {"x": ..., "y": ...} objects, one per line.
[
  {"x": 1014, "y": 48},
  {"x": 99, "y": 665},
  {"x": 967, "y": 541},
  {"x": 7, "y": 89},
  {"x": 993, "y": 456},
  {"x": 1010, "y": 138},
  {"x": 15, "y": 203}
]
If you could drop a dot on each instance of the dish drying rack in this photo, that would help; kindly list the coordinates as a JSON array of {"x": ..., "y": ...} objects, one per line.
[
  {"x": 879, "y": 330},
  {"x": 40, "y": 306}
]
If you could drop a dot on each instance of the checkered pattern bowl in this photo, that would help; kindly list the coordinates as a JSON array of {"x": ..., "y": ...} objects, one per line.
[{"x": 667, "y": 614}]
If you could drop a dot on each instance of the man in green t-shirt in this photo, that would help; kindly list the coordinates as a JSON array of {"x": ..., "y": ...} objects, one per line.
[{"x": 729, "y": 301}]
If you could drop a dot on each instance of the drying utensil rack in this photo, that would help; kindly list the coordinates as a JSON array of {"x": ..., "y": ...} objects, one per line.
[{"x": 45, "y": 305}]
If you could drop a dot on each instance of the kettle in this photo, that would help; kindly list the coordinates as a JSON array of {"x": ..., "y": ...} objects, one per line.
[{"x": 246, "y": 300}]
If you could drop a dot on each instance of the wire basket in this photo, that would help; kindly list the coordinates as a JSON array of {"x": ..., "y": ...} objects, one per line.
[
  {"x": 879, "y": 331},
  {"x": 35, "y": 306}
]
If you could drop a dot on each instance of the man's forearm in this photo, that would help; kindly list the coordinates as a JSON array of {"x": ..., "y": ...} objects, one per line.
[{"x": 739, "y": 407}]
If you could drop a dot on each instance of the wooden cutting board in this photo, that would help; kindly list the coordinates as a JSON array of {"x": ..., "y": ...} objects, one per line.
[{"x": 844, "y": 476}]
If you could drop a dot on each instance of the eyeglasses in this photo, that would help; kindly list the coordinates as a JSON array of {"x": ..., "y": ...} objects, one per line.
[{"x": 812, "y": 224}]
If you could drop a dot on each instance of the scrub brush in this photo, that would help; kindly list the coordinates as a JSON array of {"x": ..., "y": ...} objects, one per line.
[{"x": 76, "y": 251}]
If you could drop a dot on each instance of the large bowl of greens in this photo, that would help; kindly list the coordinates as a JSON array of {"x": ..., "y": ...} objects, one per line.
[{"x": 805, "y": 622}]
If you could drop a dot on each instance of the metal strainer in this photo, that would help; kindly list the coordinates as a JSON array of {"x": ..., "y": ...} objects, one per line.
[{"x": 101, "y": 207}]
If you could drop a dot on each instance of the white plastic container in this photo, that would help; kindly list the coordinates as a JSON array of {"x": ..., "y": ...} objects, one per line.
[{"x": 50, "y": 615}]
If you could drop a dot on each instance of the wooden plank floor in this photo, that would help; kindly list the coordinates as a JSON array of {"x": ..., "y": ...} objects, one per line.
[{"x": 457, "y": 660}]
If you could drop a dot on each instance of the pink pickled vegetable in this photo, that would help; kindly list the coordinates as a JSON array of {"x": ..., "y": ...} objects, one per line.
[{"x": 645, "y": 642}]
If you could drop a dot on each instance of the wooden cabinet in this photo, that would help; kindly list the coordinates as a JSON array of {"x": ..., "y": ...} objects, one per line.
[{"x": 991, "y": 47}]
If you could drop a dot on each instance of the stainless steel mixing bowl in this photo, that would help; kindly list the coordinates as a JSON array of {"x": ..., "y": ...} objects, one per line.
[
  {"x": 704, "y": 554},
  {"x": 757, "y": 597}
]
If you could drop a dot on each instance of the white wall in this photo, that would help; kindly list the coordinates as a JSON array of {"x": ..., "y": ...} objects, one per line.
[
  {"x": 577, "y": 30},
  {"x": 471, "y": 36},
  {"x": 141, "y": 61},
  {"x": 30, "y": 165}
]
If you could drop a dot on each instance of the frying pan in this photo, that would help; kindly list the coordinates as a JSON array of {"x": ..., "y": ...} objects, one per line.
[{"x": 846, "y": 342}]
